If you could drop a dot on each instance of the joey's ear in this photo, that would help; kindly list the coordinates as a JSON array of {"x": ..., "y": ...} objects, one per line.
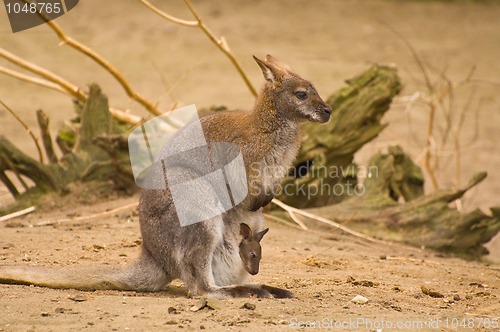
[
  {"x": 245, "y": 231},
  {"x": 260, "y": 235},
  {"x": 271, "y": 72}
]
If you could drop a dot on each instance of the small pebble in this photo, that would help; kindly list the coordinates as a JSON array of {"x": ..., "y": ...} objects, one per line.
[
  {"x": 77, "y": 298},
  {"x": 430, "y": 292},
  {"x": 214, "y": 304},
  {"x": 199, "y": 305},
  {"x": 359, "y": 299}
]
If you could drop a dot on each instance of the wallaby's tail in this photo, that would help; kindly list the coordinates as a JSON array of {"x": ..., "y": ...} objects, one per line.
[{"x": 142, "y": 275}]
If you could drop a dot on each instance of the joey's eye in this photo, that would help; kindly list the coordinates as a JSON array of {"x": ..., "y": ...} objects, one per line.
[
  {"x": 301, "y": 95},
  {"x": 253, "y": 255}
]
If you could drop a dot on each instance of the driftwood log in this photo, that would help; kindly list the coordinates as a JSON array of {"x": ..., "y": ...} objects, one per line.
[
  {"x": 390, "y": 203},
  {"x": 87, "y": 152},
  {"x": 392, "y": 207},
  {"x": 328, "y": 150}
]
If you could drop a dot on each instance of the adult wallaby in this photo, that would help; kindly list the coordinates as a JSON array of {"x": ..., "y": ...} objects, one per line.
[
  {"x": 250, "y": 248},
  {"x": 205, "y": 255}
]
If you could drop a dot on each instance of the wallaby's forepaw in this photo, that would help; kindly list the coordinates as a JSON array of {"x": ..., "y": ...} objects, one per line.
[{"x": 261, "y": 201}]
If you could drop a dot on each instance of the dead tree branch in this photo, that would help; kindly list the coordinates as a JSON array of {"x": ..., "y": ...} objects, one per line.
[
  {"x": 69, "y": 87},
  {"x": 33, "y": 80},
  {"x": 291, "y": 210},
  {"x": 219, "y": 42},
  {"x": 57, "y": 83},
  {"x": 65, "y": 39}
]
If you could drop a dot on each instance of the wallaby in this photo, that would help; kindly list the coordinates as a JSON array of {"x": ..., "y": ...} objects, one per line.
[
  {"x": 206, "y": 255},
  {"x": 250, "y": 249}
]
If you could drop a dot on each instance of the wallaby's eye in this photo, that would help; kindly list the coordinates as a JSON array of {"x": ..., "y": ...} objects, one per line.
[
  {"x": 301, "y": 95},
  {"x": 253, "y": 255}
]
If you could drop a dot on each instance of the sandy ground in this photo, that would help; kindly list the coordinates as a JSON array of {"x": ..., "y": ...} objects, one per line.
[
  {"x": 325, "y": 269},
  {"x": 324, "y": 41}
]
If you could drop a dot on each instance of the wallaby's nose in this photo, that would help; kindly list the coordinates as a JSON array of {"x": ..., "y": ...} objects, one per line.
[{"x": 327, "y": 110}]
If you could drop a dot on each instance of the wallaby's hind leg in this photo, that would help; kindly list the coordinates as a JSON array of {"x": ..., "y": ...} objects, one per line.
[
  {"x": 195, "y": 266},
  {"x": 197, "y": 272}
]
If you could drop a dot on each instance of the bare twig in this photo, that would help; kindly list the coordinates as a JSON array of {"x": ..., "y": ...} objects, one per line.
[
  {"x": 92, "y": 216},
  {"x": 297, "y": 220},
  {"x": 415, "y": 55},
  {"x": 483, "y": 81},
  {"x": 169, "y": 88},
  {"x": 65, "y": 39},
  {"x": 429, "y": 146},
  {"x": 125, "y": 116},
  {"x": 219, "y": 42},
  {"x": 290, "y": 209},
  {"x": 57, "y": 83},
  {"x": 281, "y": 221},
  {"x": 169, "y": 17},
  {"x": 441, "y": 95},
  {"x": 69, "y": 87},
  {"x": 33, "y": 79},
  {"x": 27, "y": 128},
  {"x": 431, "y": 90},
  {"x": 17, "y": 214}
]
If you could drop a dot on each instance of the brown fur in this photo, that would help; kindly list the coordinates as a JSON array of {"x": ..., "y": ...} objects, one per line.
[{"x": 250, "y": 248}]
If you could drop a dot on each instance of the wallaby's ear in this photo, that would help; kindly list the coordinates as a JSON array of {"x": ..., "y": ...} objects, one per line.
[
  {"x": 245, "y": 231},
  {"x": 277, "y": 63},
  {"x": 272, "y": 72},
  {"x": 260, "y": 235}
]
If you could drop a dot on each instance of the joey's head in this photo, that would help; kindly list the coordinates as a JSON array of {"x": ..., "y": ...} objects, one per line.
[
  {"x": 293, "y": 97},
  {"x": 250, "y": 249}
]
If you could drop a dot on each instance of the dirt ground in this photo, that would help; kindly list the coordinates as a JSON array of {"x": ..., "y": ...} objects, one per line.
[{"x": 324, "y": 41}]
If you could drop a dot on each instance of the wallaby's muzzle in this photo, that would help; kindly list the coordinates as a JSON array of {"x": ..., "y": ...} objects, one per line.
[
  {"x": 325, "y": 113},
  {"x": 321, "y": 114}
]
